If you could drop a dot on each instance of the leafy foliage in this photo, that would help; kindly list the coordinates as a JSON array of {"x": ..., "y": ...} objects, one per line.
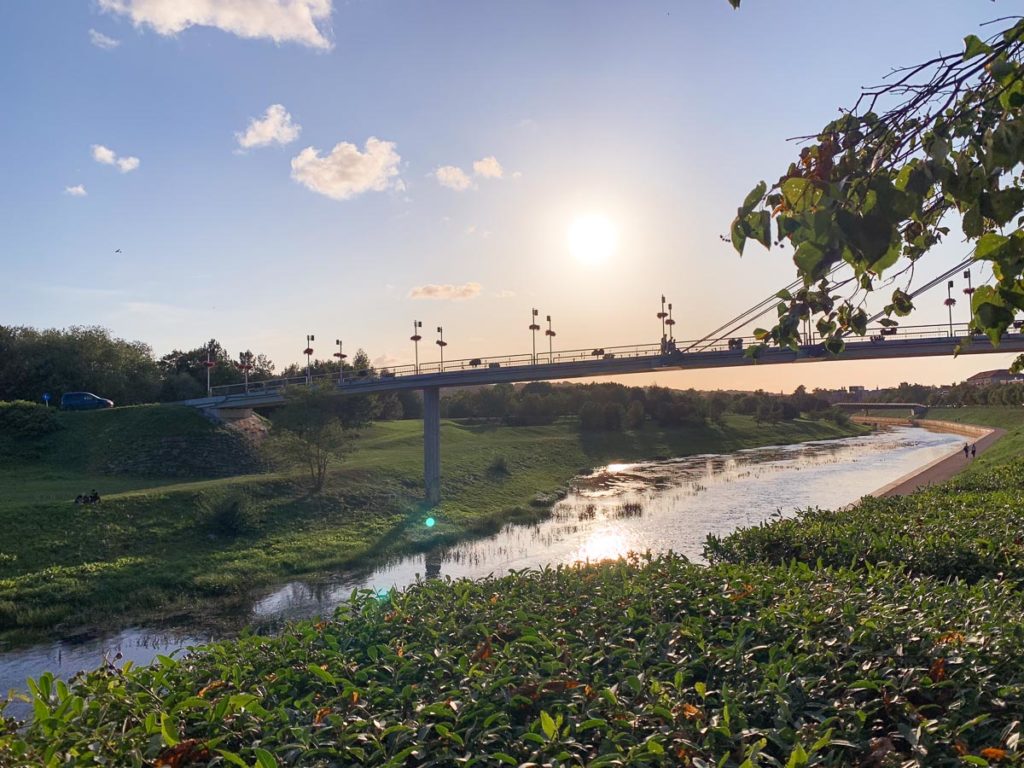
[
  {"x": 307, "y": 430},
  {"x": 875, "y": 191},
  {"x": 25, "y": 420},
  {"x": 647, "y": 662}
]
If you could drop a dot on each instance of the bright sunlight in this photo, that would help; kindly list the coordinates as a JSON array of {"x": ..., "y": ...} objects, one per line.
[{"x": 592, "y": 239}]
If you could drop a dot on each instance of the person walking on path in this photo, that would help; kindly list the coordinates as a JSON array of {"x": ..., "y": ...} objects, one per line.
[
  {"x": 966, "y": 449},
  {"x": 974, "y": 450}
]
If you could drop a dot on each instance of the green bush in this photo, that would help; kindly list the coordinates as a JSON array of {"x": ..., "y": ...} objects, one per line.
[
  {"x": 499, "y": 466},
  {"x": 642, "y": 663},
  {"x": 232, "y": 516},
  {"x": 25, "y": 420}
]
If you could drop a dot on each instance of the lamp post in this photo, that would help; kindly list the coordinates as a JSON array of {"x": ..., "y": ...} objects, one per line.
[
  {"x": 415, "y": 339},
  {"x": 245, "y": 365},
  {"x": 551, "y": 337},
  {"x": 661, "y": 316},
  {"x": 950, "y": 302},
  {"x": 533, "y": 332},
  {"x": 209, "y": 365},
  {"x": 308, "y": 352},
  {"x": 670, "y": 323},
  {"x": 969, "y": 291},
  {"x": 442, "y": 344},
  {"x": 340, "y": 354}
]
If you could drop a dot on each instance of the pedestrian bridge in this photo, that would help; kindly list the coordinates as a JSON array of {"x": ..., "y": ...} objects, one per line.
[{"x": 878, "y": 344}]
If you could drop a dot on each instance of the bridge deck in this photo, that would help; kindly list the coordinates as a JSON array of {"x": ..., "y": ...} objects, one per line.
[{"x": 926, "y": 342}]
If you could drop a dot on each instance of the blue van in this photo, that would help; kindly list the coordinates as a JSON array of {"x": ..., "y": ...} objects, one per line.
[{"x": 83, "y": 401}]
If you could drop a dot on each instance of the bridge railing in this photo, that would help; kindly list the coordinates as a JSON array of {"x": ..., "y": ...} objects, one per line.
[{"x": 559, "y": 357}]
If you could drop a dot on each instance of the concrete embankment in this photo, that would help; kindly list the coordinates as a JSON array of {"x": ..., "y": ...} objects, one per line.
[{"x": 941, "y": 469}]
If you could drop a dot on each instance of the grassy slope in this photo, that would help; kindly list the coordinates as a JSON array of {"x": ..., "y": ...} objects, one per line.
[
  {"x": 1010, "y": 418},
  {"x": 151, "y": 544}
]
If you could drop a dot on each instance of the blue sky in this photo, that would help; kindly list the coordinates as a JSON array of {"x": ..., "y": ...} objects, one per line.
[{"x": 656, "y": 116}]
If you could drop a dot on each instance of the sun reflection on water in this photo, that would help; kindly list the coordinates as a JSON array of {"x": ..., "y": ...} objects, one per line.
[{"x": 604, "y": 544}]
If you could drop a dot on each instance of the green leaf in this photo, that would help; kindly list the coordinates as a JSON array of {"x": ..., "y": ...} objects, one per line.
[
  {"x": 797, "y": 758},
  {"x": 547, "y": 725},
  {"x": 232, "y": 758},
  {"x": 759, "y": 225},
  {"x": 323, "y": 674},
  {"x": 808, "y": 259},
  {"x": 975, "y": 46},
  {"x": 800, "y": 194},
  {"x": 264, "y": 759},
  {"x": 501, "y": 757},
  {"x": 168, "y": 730},
  {"x": 738, "y": 234},
  {"x": 753, "y": 198}
]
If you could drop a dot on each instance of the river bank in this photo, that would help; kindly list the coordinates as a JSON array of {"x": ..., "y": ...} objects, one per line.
[
  {"x": 826, "y": 640},
  {"x": 943, "y": 468},
  {"x": 163, "y": 552}
]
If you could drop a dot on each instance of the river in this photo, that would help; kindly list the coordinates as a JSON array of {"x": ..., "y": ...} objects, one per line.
[{"x": 644, "y": 506}]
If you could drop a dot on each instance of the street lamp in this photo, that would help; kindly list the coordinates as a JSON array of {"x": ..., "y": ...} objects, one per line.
[
  {"x": 969, "y": 291},
  {"x": 442, "y": 344},
  {"x": 661, "y": 316},
  {"x": 245, "y": 365},
  {"x": 308, "y": 352},
  {"x": 209, "y": 365},
  {"x": 415, "y": 339},
  {"x": 551, "y": 336},
  {"x": 340, "y": 354},
  {"x": 533, "y": 332},
  {"x": 670, "y": 322},
  {"x": 950, "y": 302}
]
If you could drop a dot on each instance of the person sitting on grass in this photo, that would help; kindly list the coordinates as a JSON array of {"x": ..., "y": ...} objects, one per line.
[
  {"x": 79, "y": 499},
  {"x": 94, "y": 498}
]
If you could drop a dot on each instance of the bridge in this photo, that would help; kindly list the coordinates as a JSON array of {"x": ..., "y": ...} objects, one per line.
[
  {"x": 916, "y": 409},
  {"x": 706, "y": 353}
]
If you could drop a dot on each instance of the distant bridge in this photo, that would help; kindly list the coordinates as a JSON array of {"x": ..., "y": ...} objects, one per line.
[
  {"x": 916, "y": 409},
  {"x": 879, "y": 344}
]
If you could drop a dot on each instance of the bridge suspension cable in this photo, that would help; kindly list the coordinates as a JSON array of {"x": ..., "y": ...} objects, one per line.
[{"x": 762, "y": 308}]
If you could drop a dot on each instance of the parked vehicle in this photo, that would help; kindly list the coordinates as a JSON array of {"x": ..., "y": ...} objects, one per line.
[{"x": 84, "y": 401}]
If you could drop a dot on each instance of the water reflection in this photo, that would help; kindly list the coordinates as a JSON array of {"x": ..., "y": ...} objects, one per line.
[{"x": 644, "y": 506}]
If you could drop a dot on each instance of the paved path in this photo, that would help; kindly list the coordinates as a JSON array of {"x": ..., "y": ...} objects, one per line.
[{"x": 939, "y": 470}]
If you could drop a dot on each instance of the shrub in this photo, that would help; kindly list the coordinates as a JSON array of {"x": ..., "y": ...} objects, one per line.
[
  {"x": 233, "y": 515},
  {"x": 499, "y": 466},
  {"x": 26, "y": 420}
]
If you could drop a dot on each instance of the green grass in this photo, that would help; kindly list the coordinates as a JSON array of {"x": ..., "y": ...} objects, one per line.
[{"x": 153, "y": 547}]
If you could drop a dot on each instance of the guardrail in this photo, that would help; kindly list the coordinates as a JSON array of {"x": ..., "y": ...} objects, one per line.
[{"x": 630, "y": 351}]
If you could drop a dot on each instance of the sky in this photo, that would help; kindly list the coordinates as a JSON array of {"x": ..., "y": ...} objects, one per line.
[{"x": 258, "y": 170}]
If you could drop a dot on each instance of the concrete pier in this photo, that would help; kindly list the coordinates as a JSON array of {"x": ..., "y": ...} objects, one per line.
[{"x": 432, "y": 443}]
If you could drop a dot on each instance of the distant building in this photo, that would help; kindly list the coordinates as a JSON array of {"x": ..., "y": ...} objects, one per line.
[{"x": 998, "y": 376}]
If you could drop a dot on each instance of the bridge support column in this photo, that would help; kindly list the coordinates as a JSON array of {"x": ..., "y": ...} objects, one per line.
[{"x": 432, "y": 444}]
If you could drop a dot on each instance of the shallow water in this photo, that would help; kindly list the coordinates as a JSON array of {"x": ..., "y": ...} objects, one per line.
[{"x": 645, "y": 506}]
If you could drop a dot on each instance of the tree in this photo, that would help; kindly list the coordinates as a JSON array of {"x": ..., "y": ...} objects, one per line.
[
  {"x": 308, "y": 431},
  {"x": 635, "y": 415},
  {"x": 877, "y": 190}
]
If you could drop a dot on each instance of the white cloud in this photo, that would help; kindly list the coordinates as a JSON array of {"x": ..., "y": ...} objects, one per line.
[
  {"x": 488, "y": 167},
  {"x": 283, "y": 21},
  {"x": 107, "y": 156},
  {"x": 446, "y": 292},
  {"x": 506, "y": 294},
  {"x": 517, "y": 175},
  {"x": 76, "y": 191},
  {"x": 276, "y": 126},
  {"x": 103, "y": 155},
  {"x": 453, "y": 177},
  {"x": 102, "y": 41},
  {"x": 347, "y": 172}
]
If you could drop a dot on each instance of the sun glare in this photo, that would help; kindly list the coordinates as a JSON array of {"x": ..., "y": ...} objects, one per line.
[{"x": 592, "y": 239}]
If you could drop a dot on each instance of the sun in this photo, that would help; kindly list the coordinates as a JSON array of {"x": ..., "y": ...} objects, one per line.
[{"x": 592, "y": 238}]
